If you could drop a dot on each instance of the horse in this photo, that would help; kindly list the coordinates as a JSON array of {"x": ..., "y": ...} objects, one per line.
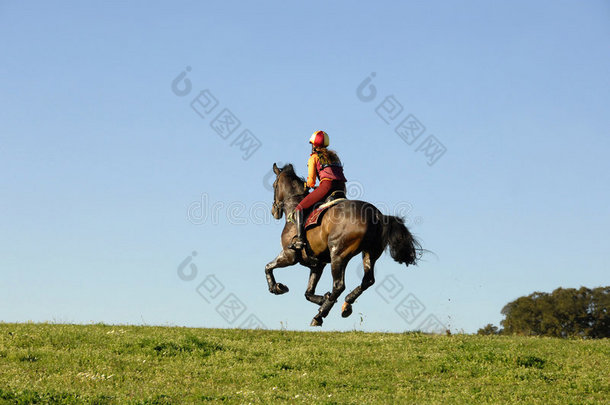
[{"x": 346, "y": 229}]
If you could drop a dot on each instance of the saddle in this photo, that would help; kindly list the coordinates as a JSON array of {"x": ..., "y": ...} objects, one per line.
[{"x": 315, "y": 217}]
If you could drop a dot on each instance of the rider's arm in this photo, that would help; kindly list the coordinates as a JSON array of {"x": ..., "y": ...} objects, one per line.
[{"x": 311, "y": 170}]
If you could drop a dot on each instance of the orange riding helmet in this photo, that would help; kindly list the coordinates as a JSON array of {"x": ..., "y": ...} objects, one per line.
[{"x": 319, "y": 139}]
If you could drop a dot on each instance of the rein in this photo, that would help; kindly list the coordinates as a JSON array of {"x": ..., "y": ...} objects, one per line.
[{"x": 293, "y": 199}]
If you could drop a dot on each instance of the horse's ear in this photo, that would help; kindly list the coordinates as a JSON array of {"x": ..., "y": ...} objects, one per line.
[
  {"x": 276, "y": 169},
  {"x": 290, "y": 168}
]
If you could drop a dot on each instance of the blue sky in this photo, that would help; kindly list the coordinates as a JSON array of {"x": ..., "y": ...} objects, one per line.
[{"x": 101, "y": 160}]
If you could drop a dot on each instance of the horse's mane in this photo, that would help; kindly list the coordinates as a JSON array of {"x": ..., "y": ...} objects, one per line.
[
  {"x": 296, "y": 180},
  {"x": 289, "y": 170}
]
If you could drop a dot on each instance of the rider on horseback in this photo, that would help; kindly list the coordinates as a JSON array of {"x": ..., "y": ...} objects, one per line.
[{"x": 324, "y": 164}]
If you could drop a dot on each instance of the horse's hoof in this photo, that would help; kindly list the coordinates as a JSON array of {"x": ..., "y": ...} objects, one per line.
[
  {"x": 346, "y": 310},
  {"x": 316, "y": 322},
  {"x": 280, "y": 289}
]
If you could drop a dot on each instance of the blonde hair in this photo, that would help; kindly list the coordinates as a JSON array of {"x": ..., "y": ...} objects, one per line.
[{"x": 329, "y": 155}]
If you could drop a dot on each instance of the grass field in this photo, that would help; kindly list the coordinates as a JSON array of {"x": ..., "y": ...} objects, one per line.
[{"x": 50, "y": 363}]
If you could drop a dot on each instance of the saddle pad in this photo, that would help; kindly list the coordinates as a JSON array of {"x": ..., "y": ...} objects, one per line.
[{"x": 316, "y": 216}]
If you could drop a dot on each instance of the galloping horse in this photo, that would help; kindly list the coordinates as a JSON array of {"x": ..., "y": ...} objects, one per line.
[{"x": 346, "y": 229}]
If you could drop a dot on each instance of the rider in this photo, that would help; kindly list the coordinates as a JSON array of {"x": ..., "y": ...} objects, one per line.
[{"x": 324, "y": 164}]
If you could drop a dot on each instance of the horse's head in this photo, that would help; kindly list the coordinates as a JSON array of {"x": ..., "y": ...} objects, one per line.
[
  {"x": 287, "y": 185},
  {"x": 278, "y": 197}
]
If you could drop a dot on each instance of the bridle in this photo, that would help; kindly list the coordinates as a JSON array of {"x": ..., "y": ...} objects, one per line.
[{"x": 279, "y": 206}]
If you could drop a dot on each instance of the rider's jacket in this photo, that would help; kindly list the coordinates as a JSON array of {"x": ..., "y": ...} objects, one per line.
[{"x": 319, "y": 167}]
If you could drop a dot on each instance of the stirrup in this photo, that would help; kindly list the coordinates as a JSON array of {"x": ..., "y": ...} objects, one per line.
[{"x": 298, "y": 244}]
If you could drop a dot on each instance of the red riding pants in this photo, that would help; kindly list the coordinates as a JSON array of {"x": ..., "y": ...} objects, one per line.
[{"x": 325, "y": 188}]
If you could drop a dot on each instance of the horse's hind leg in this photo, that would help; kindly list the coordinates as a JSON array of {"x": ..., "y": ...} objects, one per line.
[
  {"x": 337, "y": 265},
  {"x": 367, "y": 280},
  {"x": 314, "y": 277}
]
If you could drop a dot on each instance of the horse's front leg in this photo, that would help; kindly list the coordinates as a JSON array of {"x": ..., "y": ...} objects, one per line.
[
  {"x": 286, "y": 258},
  {"x": 314, "y": 277}
]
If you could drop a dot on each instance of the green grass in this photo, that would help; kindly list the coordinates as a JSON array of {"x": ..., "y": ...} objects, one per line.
[{"x": 99, "y": 364}]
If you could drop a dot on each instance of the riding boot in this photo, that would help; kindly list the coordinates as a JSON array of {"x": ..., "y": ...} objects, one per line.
[{"x": 299, "y": 243}]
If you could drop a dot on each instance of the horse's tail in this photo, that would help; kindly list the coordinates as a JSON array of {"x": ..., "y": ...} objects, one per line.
[{"x": 404, "y": 248}]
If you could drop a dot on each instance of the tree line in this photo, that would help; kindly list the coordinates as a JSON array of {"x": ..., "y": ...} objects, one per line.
[{"x": 566, "y": 312}]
